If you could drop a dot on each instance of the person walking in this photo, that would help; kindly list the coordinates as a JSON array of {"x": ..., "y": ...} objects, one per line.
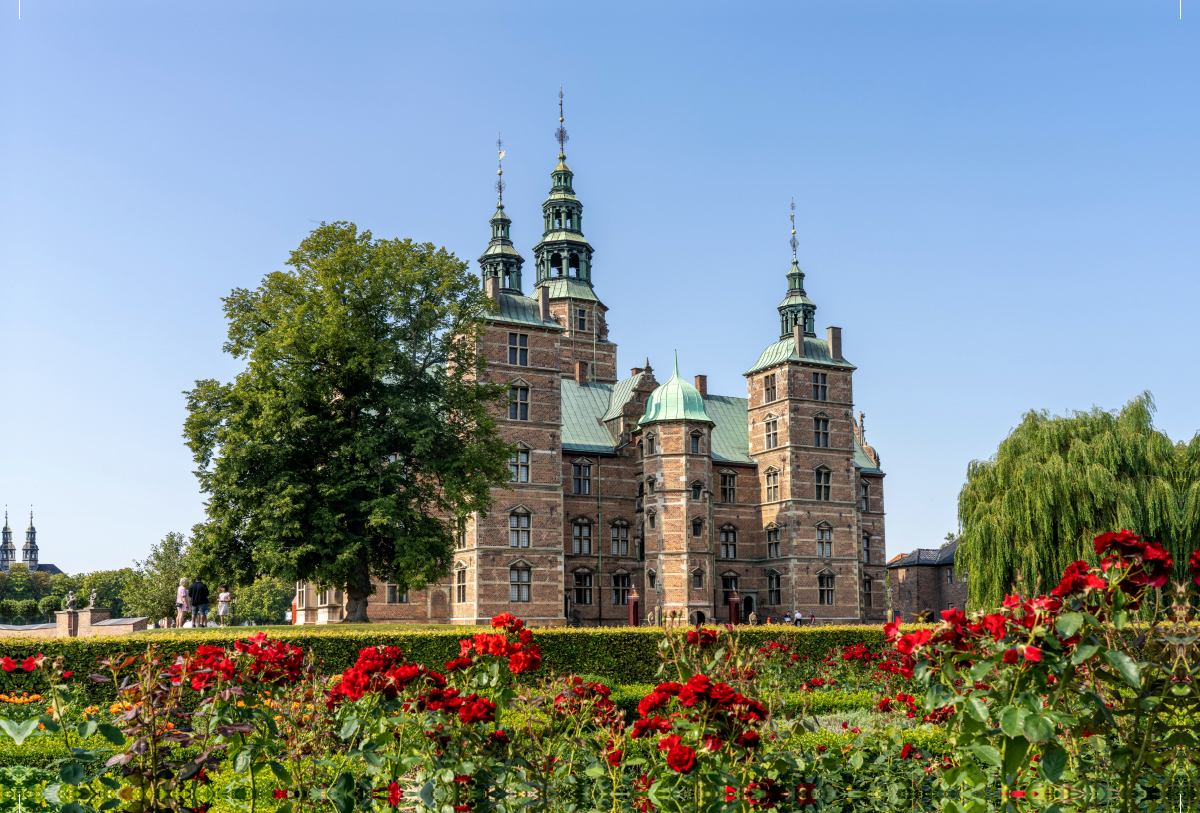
[
  {"x": 223, "y": 600},
  {"x": 198, "y": 595},
  {"x": 753, "y": 619},
  {"x": 787, "y": 618},
  {"x": 812, "y": 618},
  {"x": 181, "y": 602}
]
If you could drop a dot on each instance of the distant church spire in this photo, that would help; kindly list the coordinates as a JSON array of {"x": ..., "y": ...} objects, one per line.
[
  {"x": 796, "y": 308},
  {"x": 563, "y": 252},
  {"x": 501, "y": 260},
  {"x": 29, "y": 552},
  {"x": 8, "y": 552}
]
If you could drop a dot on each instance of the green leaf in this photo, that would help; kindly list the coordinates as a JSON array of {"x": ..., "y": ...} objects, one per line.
[
  {"x": 595, "y": 771},
  {"x": 977, "y": 709},
  {"x": 72, "y": 773},
  {"x": 1126, "y": 666},
  {"x": 1038, "y": 729},
  {"x": 1068, "y": 624},
  {"x": 349, "y": 728},
  {"x": 87, "y": 730},
  {"x": 1012, "y": 720},
  {"x": 18, "y": 731},
  {"x": 111, "y": 733},
  {"x": 1120, "y": 619},
  {"x": 241, "y": 762},
  {"x": 980, "y": 670},
  {"x": 281, "y": 773},
  {"x": 987, "y": 753},
  {"x": 1083, "y": 652},
  {"x": 1015, "y": 749},
  {"x": 1053, "y": 763}
]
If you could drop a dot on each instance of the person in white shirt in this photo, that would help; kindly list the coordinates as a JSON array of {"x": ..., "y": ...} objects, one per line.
[
  {"x": 223, "y": 600},
  {"x": 182, "y": 606}
]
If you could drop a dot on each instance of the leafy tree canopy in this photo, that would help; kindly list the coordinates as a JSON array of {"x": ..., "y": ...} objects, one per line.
[
  {"x": 150, "y": 589},
  {"x": 263, "y": 602},
  {"x": 20, "y": 585},
  {"x": 360, "y": 431},
  {"x": 108, "y": 585},
  {"x": 1057, "y": 482}
]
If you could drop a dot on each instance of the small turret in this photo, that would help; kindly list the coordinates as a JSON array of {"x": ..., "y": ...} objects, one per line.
[
  {"x": 563, "y": 253},
  {"x": 8, "y": 552},
  {"x": 29, "y": 552},
  {"x": 501, "y": 260}
]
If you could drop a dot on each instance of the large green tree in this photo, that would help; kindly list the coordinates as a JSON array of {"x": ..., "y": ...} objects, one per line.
[
  {"x": 1056, "y": 482},
  {"x": 265, "y": 601},
  {"x": 150, "y": 589},
  {"x": 360, "y": 430}
]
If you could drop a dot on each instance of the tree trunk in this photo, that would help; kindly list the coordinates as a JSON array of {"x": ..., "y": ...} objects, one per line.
[{"x": 357, "y": 592}]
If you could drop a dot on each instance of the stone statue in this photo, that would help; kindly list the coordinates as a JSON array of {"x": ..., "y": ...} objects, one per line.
[
  {"x": 71, "y": 600},
  {"x": 92, "y": 600}
]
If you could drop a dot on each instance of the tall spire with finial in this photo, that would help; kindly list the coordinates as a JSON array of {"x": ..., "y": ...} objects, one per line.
[
  {"x": 8, "y": 553},
  {"x": 501, "y": 260},
  {"x": 796, "y": 308},
  {"x": 563, "y": 253},
  {"x": 29, "y": 553}
]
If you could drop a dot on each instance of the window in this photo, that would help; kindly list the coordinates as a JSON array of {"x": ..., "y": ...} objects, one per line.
[
  {"x": 518, "y": 530},
  {"x": 650, "y": 445},
  {"x": 949, "y": 575},
  {"x": 728, "y": 488},
  {"x": 518, "y": 584},
  {"x": 908, "y": 595},
  {"x": 822, "y": 483},
  {"x": 620, "y": 588},
  {"x": 394, "y": 596},
  {"x": 697, "y": 527},
  {"x": 696, "y": 489},
  {"x": 460, "y": 586},
  {"x": 825, "y": 589},
  {"x": 770, "y": 393},
  {"x": 651, "y": 578},
  {"x": 866, "y": 592},
  {"x": 772, "y": 434},
  {"x": 460, "y": 541},
  {"x": 772, "y": 543},
  {"x": 698, "y": 579},
  {"x": 728, "y": 587},
  {"x": 518, "y": 404},
  {"x": 518, "y": 466},
  {"x": 820, "y": 391},
  {"x": 581, "y": 314},
  {"x": 866, "y": 496},
  {"x": 774, "y": 591},
  {"x": 695, "y": 444},
  {"x": 583, "y": 588},
  {"x": 728, "y": 543},
  {"x": 581, "y": 478},
  {"x": 620, "y": 539},
  {"x": 772, "y": 486},
  {"x": 301, "y": 593},
  {"x": 867, "y": 548},
  {"x": 820, "y": 431},
  {"x": 651, "y": 520},
  {"x": 518, "y": 349},
  {"x": 650, "y": 484},
  {"x": 825, "y": 542},
  {"x": 583, "y": 539}
]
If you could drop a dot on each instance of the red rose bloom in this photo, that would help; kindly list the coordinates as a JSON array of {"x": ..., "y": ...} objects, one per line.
[
  {"x": 1011, "y": 656},
  {"x": 280, "y": 793},
  {"x": 1194, "y": 566},
  {"x": 1033, "y": 654},
  {"x": 681, "y": 759},
  {"x": 475, "y": 709},
  {"x": 908, "y": 643}
]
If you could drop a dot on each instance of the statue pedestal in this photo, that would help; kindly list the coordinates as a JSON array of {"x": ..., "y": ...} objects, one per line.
[
  {"x": 68, "y": 623},
  {"x": 76, "y": 623}
]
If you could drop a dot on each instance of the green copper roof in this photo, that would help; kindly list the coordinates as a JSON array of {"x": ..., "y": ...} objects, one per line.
[
  {"x": 784, "y": 350},
  {"x": 863, "y": 461},
  {"x": 569, "y": 236},
  {"x": 675, "y": 400},
  {"x": 582, "y": 427},
  {"x": 499, "y": 249},
  {"x": 796, "y": 298},
  {"x": 621, "y": 394},
  {"x": 731, "y": 434},
  {"x": 563, "y": 287},
  {"x": 520, "y": 310}
]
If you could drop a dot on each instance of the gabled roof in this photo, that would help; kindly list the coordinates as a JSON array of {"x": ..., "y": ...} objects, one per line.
[
  {"x": 516, "y": 309},
  {"x": 731, "y": 432},
  {"x": 583, "y": 428},
  {"x": 863, "y": 461},
  {"x": 621, "y": 394},
  {"x": 784, "y": 350},
  {"x": 926, "y": 556}
]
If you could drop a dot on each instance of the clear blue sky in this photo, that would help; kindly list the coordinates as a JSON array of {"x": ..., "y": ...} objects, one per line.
[{"x": 997, "y": 202}]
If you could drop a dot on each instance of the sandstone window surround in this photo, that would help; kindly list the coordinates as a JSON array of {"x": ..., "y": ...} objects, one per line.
[
  {"x": 621, "y": 583},
  {"x": 771, "y": 431},
  {"x": 821, "y": 481},
  {"x": 728, "y": 486},
  {"x": 620, "y": 538},
  {"x": 865, "y": 494},
  {"x": 650, "y": 439},
  {"x": 825, "y": 540},
  {"x": 519, "y": 579},
  {"x": 650, "y": 485},
  {"x": 460, "y": 583},
  {"x": 518, "y": 400},
  {"x": 392, "y": 595},
  {"x": 652, "y": 578},
  {"x": 698, "y": 579},
  {"x": 821, "y": 430},
  {"x": 650, "y": 517},
  {"x": 820, "y": 387},
  {"x": 581, "y": 476},
  {"x": 770, "y": 391},
  {"x": 518, "y": 464},
  {"x": 518, "y": 349},
  {"x": 825, "y": 588},
  {"x": 583, "y": 586},
  {"x": 581, "y": 535},
  {"x": 697, "y": 489},
  {"x": 771, "y": 484},
  {"x": 774, "y": 588},
  {"x": 772, "y": 530},
  {"x": 866, "y": 549},
  {"x": 695, "y": 441},
  {"x": 697, "y": 527},
  {"x": 728, "y": 542},
  {"x": 518, "y": 527},
  {"x": 867, "y": 592}
]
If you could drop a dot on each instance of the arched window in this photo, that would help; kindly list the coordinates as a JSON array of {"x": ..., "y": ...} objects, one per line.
[
  {"x": 582, "y": 535},
  {"x": 518, "y": 529}
]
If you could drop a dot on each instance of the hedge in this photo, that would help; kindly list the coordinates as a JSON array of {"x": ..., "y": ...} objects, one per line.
[{"x": 623, "y": 655}]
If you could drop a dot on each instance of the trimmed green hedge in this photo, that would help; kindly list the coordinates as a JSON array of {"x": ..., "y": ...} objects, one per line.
[{"x": 622, "y": 655}]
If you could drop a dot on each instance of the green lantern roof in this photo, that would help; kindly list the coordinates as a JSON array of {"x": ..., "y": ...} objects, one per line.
[{"x": 675, "y": 400}]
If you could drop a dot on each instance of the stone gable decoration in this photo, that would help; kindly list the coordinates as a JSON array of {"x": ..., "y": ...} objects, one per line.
[{"x": 686, "y": 471}]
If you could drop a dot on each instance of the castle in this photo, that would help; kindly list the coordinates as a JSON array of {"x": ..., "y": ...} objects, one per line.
[
  {"x": 623, "y": 483},
  {"x": 29, "y": 551}
]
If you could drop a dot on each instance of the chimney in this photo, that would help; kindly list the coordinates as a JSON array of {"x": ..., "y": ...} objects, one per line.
[
  {"x": 492, "y": 286},
  {"x": 580, "y": 372},
  {"x": 798, "y": 340},
  {"x": 834, "y": 334},
  {"x": 634, "y": 371},
  {"x": 702, "y": 384},
  {"x": 544, "y": 303}
]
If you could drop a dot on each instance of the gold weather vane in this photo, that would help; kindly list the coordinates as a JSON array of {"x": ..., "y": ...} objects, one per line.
[
  {"x": 561, "y": 133},
  {"x": 500, "y": 169},
  {"x": 793, "y": 240}
]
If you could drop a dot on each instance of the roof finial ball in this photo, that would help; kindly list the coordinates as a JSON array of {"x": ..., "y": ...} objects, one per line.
[{"x": 561, "y": 133}]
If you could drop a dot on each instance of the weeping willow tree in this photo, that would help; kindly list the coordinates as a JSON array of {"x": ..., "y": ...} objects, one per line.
[{"x": 1056, "y": 482}]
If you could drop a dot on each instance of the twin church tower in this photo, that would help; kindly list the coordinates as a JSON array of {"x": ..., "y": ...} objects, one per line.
[{"x": 622, "y": 483}]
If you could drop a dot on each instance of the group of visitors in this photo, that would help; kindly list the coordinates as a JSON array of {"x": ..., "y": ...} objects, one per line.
[
  {"x": 193, "y": 601},
  {"x": 787, "y": 619}
]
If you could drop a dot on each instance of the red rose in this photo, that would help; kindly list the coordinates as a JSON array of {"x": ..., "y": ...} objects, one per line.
[
  {"x": 499, "y": 737},
  {"x": 477, "y": 709},
  {"x": 748, "y": 739},
  {"x": 908, "y": 643},
  {"x": 394, "y": 794},
  {"x": 681, "y": 759},
  {"x": 1033, "y": 654},
  {"x": 891, "y": 630},
  {"x": 280, "y": 793},
  {"x": 1011, "y": 656},
  {"x": 525, "y": 660},
  {"x": 653, "y": 701},
  {"x": 1194, "y": 566},
  {"x": 458, "y": 663},
  {"x": 614, "y": 755}
]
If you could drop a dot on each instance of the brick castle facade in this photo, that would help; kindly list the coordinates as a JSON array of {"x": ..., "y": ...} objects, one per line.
[{"x": 621, "y": 483}]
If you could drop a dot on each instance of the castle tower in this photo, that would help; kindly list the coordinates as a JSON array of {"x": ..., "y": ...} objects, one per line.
[
  {"x": 8, "y": 552},
  {"x": 677, "y": 444},
  {"x": 29, "y": 552},
  {"x": 501, "y": 260},
  {"x": 563, "y": 258}
]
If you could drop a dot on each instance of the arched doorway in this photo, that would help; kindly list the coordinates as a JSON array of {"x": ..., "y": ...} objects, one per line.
[
  {"x": 698, "y": 617},
  {"x": 747, "y": 606}
]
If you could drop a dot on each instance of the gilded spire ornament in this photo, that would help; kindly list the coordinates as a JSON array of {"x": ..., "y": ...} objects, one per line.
[
  {"x": 500, "y": 169},
  {"x": 560, "y": 134}
]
